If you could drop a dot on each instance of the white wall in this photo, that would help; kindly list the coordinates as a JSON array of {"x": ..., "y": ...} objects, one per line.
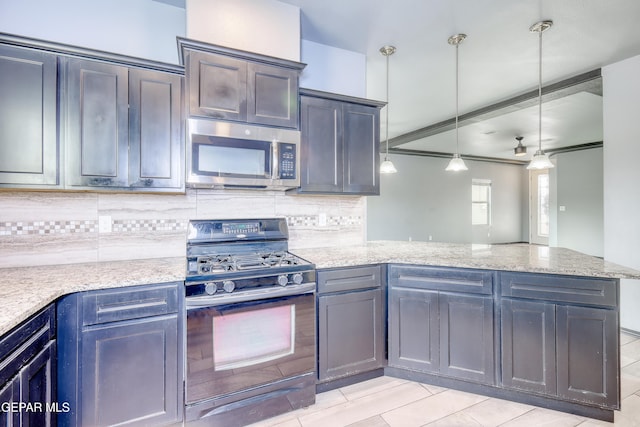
[
  {"x": 268, "y": 27},
  {"x": 331, "y": 69},
  {"x": 578, "y": 177},
  {"x": 621, "y": 114},
  {"x": 423, "y": 200},
  {"x": 140, "y": 28}
]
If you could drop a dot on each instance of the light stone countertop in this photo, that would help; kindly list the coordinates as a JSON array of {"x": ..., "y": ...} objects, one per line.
[
  {"x": 509, "y": 257},
  {"x": 25, "y": 291}
]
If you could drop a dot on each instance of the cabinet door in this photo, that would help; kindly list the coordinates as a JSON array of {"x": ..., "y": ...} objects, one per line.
[
  {"x": 130, "y": 373},
  {"x": 321, "y": 149},
  {"x": 28, "y": 129},
  {"x": 588, "y": 359},
  {"x": 272, "y": 94},
  {"x": 97, "y": 124},
  {"x": 362, "y": 149},
  {"x": 414, "y": 331},
  {"x": 350, "y": 334},
  {"x": 529, "y": 346},
  {"x": 9, "y": 394},
  {"x": 37, "y": 381},
  {"x": 156, "y": 136},
  {"x": 217, "y": 86},
  {"x": 466, "y": 337}
]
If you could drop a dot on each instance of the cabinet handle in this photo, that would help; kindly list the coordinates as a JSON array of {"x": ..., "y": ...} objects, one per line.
[{"x": 100, "y": 181}]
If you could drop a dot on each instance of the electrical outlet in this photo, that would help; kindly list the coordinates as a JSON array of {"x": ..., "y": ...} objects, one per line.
[
  {"x": 322, "y": 219},
  {"x": 104, "y": 224}
]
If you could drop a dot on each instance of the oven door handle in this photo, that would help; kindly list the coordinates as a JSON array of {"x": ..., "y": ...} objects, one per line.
[{"x": 252, "y": 295}]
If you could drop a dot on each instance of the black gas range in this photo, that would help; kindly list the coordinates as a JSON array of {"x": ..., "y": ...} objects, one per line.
[{"x": 250, "y": 322}]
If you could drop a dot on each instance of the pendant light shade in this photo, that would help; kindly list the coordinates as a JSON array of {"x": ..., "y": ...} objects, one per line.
[
  {"x": 520, "y": 149},
  {"x": 540, "y": 159},
  {"x": 387, "y": 165},
  {"x": 456, "y": 164}
]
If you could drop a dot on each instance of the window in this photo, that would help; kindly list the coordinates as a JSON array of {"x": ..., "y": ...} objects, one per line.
[{"x": 481, "y": 202}]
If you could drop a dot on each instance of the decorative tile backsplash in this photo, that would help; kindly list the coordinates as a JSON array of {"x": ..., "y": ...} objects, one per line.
[
  {"x": 148, "y": 225},
  {"x": 41, "y": 228},
  {"x": 47, "y": 227}
]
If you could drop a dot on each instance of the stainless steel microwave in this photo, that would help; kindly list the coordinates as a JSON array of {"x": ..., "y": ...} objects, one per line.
[{"x": 236, "y": 155}]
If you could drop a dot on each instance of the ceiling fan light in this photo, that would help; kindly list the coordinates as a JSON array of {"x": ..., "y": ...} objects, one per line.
[
  {"x": 456, "y": 164},
  {"x": 387, "y": 166},
  {"x": 520, "y": 149},
  {"x": 540, "y": 161}
]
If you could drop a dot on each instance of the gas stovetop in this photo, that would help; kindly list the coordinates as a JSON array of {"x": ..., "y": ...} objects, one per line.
[
  {"x": 219, "y": 264},
  {"x": 239, "y": 248}
]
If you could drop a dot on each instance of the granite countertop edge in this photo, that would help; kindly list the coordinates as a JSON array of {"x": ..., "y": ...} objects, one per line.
[{"x": 25, "y": 291}]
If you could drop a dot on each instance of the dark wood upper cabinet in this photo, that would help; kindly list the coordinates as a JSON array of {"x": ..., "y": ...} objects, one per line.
[
  {"x": 29, "y": 154},
  {"x": 123, "y": 127},
  {"x": 75, "y": 118},
  {"x": 340, "y": 144},
  {"x": 230, "y": 84}
]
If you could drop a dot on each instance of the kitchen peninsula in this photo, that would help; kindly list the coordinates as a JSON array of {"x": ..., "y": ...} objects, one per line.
[
  {"x": 534, "y": 301},
  {"x": 24, "y": 291}
]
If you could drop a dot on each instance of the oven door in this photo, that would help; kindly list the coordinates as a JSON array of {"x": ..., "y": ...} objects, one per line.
[{"x": 245, "y": 345}]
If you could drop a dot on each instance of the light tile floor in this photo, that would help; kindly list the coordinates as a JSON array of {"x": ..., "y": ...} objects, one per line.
[{"x": 386, "y": 401}]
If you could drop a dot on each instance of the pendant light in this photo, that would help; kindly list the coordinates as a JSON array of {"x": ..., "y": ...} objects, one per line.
[
  {"x": 520, "y": 149},
  {"x": 456, "y": 163},
  {"x": 387, "y": 165},
  {"x": 540, "y": 159}
]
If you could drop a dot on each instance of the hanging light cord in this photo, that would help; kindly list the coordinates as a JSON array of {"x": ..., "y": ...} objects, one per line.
[
  {"x": 540, "y": 90},
  {"x": 387, "y": 113},
  {"x": 457, "y": 148}
]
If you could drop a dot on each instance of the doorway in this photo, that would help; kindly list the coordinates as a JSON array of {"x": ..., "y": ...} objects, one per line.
[{"x": 539, "y": 219}]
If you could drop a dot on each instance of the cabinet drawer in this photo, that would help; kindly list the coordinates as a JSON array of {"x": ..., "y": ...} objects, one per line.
[
  {"x": 571, "y": 289},
  {"x": 348, "y": 279},
  {"x": 442, "y": 279},
  {"x": 130, "y": 303}
]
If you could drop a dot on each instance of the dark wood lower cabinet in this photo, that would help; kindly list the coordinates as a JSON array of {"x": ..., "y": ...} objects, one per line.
[
  {"x": 447, "y": 334},
  {"x": 443, "y": 333},
  {"x": 351, "y": 333},
  {"x": 9, "y": 395},
  {"x": 466, "y": 337},
  {"x": 529, "y": 346},
  {"x": 27, "y": 377},
  {"x": 130, "y": 373},
  {"x": 588, "y": 343},
  {"x": 414, "y": 330},
  {"x": 121, "y": 356},
  {"x": 560, "y": 337}
]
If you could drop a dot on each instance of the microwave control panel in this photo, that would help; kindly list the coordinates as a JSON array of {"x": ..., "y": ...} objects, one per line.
[{"x": 287, "y": 160}]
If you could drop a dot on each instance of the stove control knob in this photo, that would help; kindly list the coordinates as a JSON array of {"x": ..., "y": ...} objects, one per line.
[
  {"x": 283, "y": 280},
  {"x": 228, "y": 286},
  {"x": 297, "y": 278},
  {"x": 210, "y": 288}
]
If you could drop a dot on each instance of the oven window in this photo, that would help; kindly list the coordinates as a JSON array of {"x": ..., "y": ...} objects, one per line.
[
  {"x": 241, "y": 346},
  {"x": 248, "y": 338}
]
